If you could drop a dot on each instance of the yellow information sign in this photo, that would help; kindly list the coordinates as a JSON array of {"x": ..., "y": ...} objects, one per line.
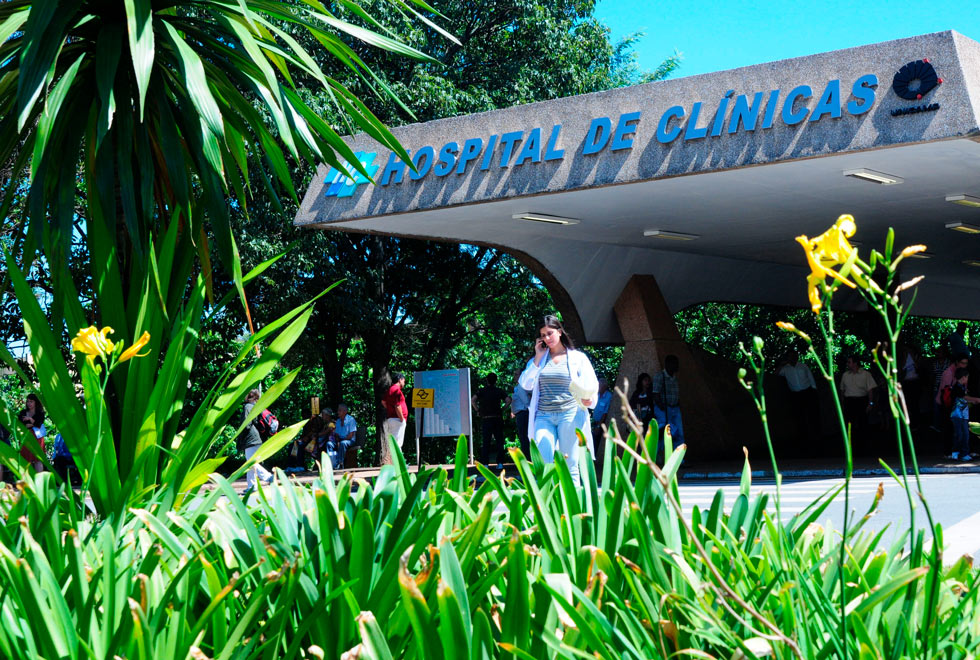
[{"x": 422, "y": 398}]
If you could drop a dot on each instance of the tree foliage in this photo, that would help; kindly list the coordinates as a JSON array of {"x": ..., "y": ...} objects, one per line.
[{"x": 415, "y": 305}]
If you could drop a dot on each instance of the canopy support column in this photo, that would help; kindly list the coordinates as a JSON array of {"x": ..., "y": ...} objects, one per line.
[{"x": 650, "y": 335}]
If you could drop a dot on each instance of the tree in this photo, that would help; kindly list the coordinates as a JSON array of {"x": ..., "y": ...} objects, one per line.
[
  {"x": 421, "y": 304},
  {"x": 155, "y": 113}
]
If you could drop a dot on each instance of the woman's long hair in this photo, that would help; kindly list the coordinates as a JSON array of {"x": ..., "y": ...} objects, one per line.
[
  {"x": 38, "y": 409},
  {"x": 551, "y": 321},
  {"x": 639, "y": 382}
]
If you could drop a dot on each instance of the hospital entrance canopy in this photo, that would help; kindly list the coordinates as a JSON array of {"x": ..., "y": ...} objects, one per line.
[{"x": 702, "y": 182}]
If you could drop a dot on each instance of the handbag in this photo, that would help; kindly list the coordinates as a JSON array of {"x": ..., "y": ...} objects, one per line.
[
  {"x": 578, "y": 388},
  {"x": 311, "y": 446}
]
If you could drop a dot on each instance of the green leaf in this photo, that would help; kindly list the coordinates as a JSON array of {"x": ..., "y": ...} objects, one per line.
[
  {"x": 50, "y": 114},
  {"x": 196, "y": 82},
  {"x": 139, "y": 27},
  {"x": 372, "y": 638}
]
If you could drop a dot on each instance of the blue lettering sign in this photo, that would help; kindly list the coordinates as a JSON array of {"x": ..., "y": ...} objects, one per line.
[
  {"x": 521, "y": 147},
  {"x": 598, "y": 136},
  {"x": 532, "y": 148},
  {"x": 720, "y": 114},
  {"x": 791, "y": 118},
  {"x": 863, "y": 92},
  {"x": 829, "y": 103},
  {"x": 744, "y": 113},
  {"x": 395, "y": 167},
  {"x": 552, "y": 152},
  {"x": 693, "y": 132},
  {"x": 666, "y": 135},
  {"x": 428, "y": 154},
  {"x": 507, "y": 141},
  {"x": 625, "y": 130},
  {"x": 447, "y": 159},
  {"x": 488, "y": 154},
  {"x": 471, "y": 151},
  {"x": 770, "y": 109}
]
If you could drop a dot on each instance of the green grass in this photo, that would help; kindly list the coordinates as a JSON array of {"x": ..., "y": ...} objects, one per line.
[{"x": 435, "y": 566}]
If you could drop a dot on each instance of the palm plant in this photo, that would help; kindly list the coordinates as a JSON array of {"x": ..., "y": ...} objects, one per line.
[{"x": 153, "y": 112}]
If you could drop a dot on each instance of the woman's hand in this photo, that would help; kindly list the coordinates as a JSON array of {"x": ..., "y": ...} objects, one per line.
[{"x": 539, "y": 349}]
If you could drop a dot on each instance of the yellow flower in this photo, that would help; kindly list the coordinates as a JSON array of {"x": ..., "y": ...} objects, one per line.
[
  {"x": 827, "y": 250},
  {"x": 133, "y": 351},
  {"x": 789, "y": 327},
  {"x": 93, "y": 342},
  {"x": 913, "y": 249}
]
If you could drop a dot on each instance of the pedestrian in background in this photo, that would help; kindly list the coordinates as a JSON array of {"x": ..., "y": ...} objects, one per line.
[
  {"x": 520, "y": 400},
  {"x": 641, "y": 401},
  {"x": 960, "y": 416},
  {"x": 600, "y": 416},
  {"x": 396, "y": 409},
  {"x": 803, "y": 401},
  {"x": 488, "y": 403},
  {"x": 563, "y": 386},
  {"x": 32, "y": 416},
  {"x": 249, "y": 441},
  {"x": 858, "y": 387},
  {"x": 667, "y": 404}
]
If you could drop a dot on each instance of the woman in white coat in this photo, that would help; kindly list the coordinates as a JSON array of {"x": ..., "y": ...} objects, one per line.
[{"x": 563, "y": 386}]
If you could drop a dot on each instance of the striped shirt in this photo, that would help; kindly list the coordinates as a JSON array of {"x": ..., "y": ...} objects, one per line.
[{"x": 553, "y": 382}]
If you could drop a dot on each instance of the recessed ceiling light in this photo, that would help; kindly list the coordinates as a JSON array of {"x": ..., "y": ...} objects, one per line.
[
  {"x": 964, "y": 200},
  {"x": 548, "y": 219},
  {"x": 963, "y": 227},
  {"x": 670, "y": 235},
  {"x": 972, "y": 262},
  {"x": 874, "y": 177}
]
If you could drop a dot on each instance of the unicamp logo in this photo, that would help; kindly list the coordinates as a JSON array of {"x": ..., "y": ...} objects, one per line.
[
  {"x": 912, "y": 82},
  {"x": 343, "y": 184}
]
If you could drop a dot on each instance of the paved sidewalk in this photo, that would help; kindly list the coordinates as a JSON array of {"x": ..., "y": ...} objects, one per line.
[
  {"x": 822, "y": 467},
  {"x": 798, "y": 468}
]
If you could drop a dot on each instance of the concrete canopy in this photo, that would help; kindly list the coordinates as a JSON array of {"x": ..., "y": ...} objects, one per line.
[{"x": 745, "y": 160}]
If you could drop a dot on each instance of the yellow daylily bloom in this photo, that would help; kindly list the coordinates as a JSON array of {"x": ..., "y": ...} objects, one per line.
[
  {"x": 827, "y": 250},
  {"x": 789, "y": 327},
  {"x": 93, "y": 342},
  {"x": 133, "y": 351},
  {"x": 913, "y": 249}
]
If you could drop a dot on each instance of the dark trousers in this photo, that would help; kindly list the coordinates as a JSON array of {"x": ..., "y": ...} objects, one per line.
[
  {"x": 804, "y": 406},
  {"x": 492, "y": 429},
  {"x": 856, "y": 416},
  {"x": 521, "y": 419},
  {"x": 912, "y": 390}
]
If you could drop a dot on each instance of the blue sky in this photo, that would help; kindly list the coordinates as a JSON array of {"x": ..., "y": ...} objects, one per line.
[{"x": 713, "y": 36}]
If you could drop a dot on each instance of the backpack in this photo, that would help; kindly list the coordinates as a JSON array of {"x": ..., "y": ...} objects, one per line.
[
  {"x": 266, "y": 424},
  {"x": 947, "y": 398}
]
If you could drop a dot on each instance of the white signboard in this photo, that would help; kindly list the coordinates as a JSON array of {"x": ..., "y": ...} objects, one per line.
[
  {"x": 450, "y": 411},
  {"x": 449, "y": 414}
]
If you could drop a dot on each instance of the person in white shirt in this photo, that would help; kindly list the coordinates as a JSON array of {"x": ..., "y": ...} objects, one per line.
[
  {"x": 802, "y": 401},
  {"x": 858, "y": 387},
  {"x": 563, "y": 386}
]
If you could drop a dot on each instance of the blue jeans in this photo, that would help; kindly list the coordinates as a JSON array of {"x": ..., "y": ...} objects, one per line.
[
  {"x": 336, "y": 450},
  {"x": 558, "y": 428},
  {"x": 961, "y": 435},
  {"x": 671, "y": 416}
]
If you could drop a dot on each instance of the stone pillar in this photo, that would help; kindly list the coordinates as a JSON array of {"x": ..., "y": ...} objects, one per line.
[{"x": 650, "y": 335}]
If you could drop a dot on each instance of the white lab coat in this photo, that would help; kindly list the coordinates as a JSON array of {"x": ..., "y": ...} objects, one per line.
[{"x": 581, "y": 371}]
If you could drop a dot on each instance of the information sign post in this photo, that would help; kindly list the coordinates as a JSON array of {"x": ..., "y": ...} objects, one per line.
[{"x": 442, "y": 406}]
